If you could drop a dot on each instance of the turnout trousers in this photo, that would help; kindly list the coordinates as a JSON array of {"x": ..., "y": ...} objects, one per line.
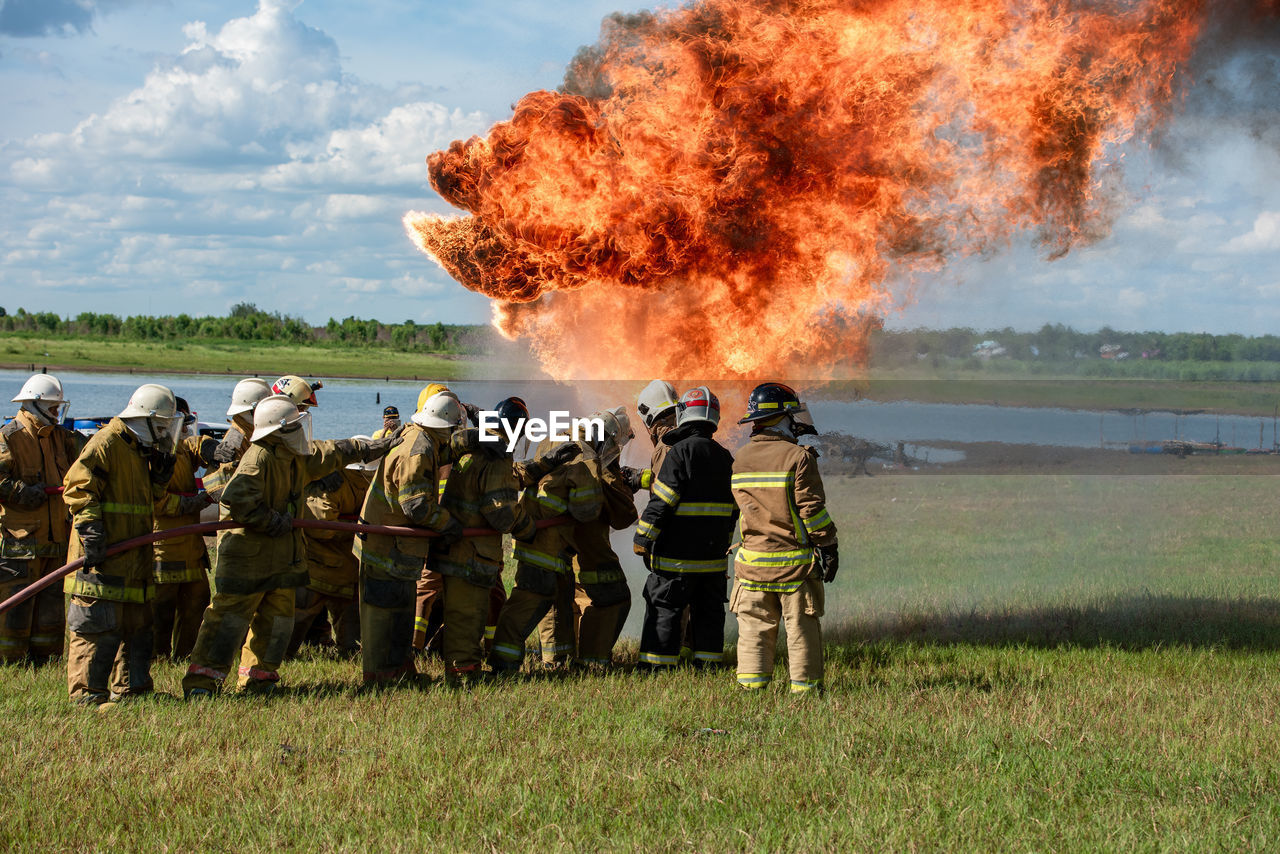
[
  {"x": 427, "y": 618},
  {"x": 34, "y": 627},
  {"x": 343, "y": 615},
  {"x": 178, "y": 609},
  {"x": 260, "y": 622},
  {"x": 557, "y": 630},
  {"x": 666, "y": 595},
  {"x": 466, "y": 613},
  {"x": 759, "y": 613},
  {"x": 109, "y": 651},
  {"x": 386, "y": 626},
  {"x": 603, "y": 610},
  {"x": 531, "y": 599}
]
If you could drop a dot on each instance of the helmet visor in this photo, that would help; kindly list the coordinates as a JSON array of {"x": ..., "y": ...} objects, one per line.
[
  {"x": 296, "y": 435},
  {"x": 803, "y": 421}
]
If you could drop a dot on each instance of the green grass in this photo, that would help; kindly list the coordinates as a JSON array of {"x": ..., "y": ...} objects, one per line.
[
  {"x": 1014, "y": 663},
  {"x": 231, "y": 357}
]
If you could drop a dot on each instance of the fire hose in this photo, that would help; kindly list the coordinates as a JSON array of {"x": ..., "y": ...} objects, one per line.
[{"x": 209, "y": 527}]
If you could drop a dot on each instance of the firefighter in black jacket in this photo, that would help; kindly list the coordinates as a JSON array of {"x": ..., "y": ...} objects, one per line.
[{"x": 684, "y": 535}]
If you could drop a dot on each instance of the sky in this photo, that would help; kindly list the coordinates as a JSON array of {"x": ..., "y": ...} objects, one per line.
[{"x": 164, "y": 157}]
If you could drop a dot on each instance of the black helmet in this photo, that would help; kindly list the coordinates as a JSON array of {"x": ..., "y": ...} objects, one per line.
[
  {"x": 512, "y": 412},
  {"x": 770, "y": 400}
]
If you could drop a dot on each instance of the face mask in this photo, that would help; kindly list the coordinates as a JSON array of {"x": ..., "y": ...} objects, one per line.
[{"x": 297, "y": 436}]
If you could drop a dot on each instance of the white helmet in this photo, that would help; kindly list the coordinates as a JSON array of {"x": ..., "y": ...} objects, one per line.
[
  {"x": 699, "y": 404},
  {"x": 152, "y": 415},
  {"x": 246, "y": 394},
  {"x": 442, "y": 409},
  {"x": 658, "y": 397},
  {"x": 372, "y": 465},
  {"x": 277, "y": 413},
  {"x": 617, "y": 433},
  {"x": 43, "y": 395}
]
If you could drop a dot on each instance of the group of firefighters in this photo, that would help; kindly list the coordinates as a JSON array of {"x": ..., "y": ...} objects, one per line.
[{"x": 421, "y": 570}]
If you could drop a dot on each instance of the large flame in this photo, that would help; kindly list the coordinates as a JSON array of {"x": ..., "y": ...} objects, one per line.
[{"x": 740, "y": 187}]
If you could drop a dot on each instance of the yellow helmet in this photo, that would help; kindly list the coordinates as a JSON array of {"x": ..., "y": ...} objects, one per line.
[{"x": 429, "y": 392}]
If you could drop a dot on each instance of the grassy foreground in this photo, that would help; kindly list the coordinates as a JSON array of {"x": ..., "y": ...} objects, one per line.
[{"x": 1015, "y": 663}]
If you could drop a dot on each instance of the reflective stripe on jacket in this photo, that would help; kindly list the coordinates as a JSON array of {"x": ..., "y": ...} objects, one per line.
[
  {"x": 405, "y": 491},
  {"x": 332, "y": 569},
  {"x": 779, "y": 491},
  {"x": 32, "y": 453},
  {"x": 481, "y": 493},
  {"x": 182, "y": 559},
  {"x": 688, "y": 523},
  {"x": 110, "y": 481},
  {"x": 269, "y": 478}
]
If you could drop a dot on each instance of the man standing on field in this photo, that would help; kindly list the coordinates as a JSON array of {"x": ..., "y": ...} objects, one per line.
[{"x": 788, "y": 542}]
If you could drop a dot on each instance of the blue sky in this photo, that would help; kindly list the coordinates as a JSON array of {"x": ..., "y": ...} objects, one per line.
[{"x": 185, "y": 156}]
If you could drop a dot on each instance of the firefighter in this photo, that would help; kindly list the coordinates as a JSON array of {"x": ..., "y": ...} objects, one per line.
[
  {"x": 658, "y": 406},
  {"x": 601, "y": 594},
  {"x": 259, "y": 565},
  {"x": 543, "y": 567},
  {"x": 481, "y": 492},
  {"x": 332, "y": 570},
  {"x": 429, "y": 588},
  {"x": 244, "y": 397},
  {"x": 301, "y": 392},
  {"x": 683, "y": 537},
  {"x": 788, "y": 542},
  {"x": 180, "y": 571},
  {"x": 35, "y": 453},
  {"x": 404, "y": 492},
  {"x": 111, "y": 490}
]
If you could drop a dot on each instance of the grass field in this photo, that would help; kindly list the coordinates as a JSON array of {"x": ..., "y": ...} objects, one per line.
[
  {"x": 1021, "y": 663},
  {"x": 230, "y": 357}
]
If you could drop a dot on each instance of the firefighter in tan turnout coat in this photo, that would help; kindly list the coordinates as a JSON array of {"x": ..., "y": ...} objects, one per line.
[{"x": 788, "y": 542}]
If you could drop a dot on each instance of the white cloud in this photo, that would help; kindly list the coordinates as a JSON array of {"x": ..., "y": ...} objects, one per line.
[
  {"x": 1265, "y": 236},
  {"x": 244, "y": 162}
]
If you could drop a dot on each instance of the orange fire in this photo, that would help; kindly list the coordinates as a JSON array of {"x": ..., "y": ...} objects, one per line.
[{"x": 740, "y": 188}]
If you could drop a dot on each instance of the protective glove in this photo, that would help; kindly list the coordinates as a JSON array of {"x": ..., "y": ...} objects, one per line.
[
  {"x": 226, "y": 452},
  {"x": 30, "y": 496},
  {"x": 93, "y": 540},
  {"x": 473, "y": 413},
  {"x": 452, "y": 532},
  {"x": 634, "y": 478},
  {"x": 643, "y": 552},
  {"x": 188, "y": 504},
  {"x": 161, "y": 466},
  {"x": 376, "y": 449},
  {"x": 561, "y": 454},
  {"x": 208, "y": 452},
  {"x": 333, "y": 480},
  {"x": 828, "y": 560},
  {"x": 278, "y": 524}
]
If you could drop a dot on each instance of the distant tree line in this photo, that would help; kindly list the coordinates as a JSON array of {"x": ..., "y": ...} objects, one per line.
[
  {"x": 246, "y": 322},
  {"x": 1057, "y": 343}
]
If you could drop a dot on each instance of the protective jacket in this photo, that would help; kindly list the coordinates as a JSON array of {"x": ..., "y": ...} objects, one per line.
[
  {"x": 111, "y": 482},
  {"x": 596, "y": 561},
  {"x": 216, "y": 479},
  {"x": 688, "y": 523},
  {"x": 405, "y": 492},
  {"x": 183, "y": 559},
  {"x": 571, "y": 489},
  {"x": 331, "y": 566},
  {"x": 269, "y": 478},
  {"x": 32, "y": 453},
  {"x": 784, "y": 514},
  {"x": 481, "y": 493}
]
